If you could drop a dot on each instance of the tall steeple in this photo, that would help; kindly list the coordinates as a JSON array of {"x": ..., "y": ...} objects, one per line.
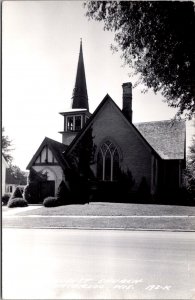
[
  {"x": 77, "y": 116},
  {"x": 80, "y": 97}
]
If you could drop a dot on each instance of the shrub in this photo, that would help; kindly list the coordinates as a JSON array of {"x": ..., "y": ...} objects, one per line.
[
  {"x": 17, "y": 202},
  {"x": 5, "y": 198},
  {"x": 52, "y": 202},
  {"x": 31, "y": 193},
  {"x": 143, "y": 190},
  {"x": 16, "y": 194}
]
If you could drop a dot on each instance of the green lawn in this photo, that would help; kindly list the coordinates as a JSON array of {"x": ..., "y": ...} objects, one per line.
[{"x": 113, "y": 209}]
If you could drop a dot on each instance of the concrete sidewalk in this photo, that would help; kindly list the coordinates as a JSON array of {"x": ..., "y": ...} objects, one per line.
[
  {"x": 161, "y": 218},
  {"x": 17, "y": 210},
  {"x": 161, "y": 223}
]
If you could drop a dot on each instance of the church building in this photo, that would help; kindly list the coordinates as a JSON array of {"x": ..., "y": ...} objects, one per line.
[{"x": 107, "y": 144}]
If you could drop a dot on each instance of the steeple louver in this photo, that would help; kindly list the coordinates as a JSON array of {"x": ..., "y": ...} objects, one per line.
[{"x": 80, "y": 96}]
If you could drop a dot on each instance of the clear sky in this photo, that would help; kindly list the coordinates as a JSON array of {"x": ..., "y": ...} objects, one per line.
[{"x": 40, "y": 48}]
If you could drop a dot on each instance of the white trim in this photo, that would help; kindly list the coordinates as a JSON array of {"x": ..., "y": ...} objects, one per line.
[{"x": 82, "y": 121}]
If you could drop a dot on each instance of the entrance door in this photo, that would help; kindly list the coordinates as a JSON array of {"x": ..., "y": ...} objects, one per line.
[{"x": 47, "y": 189}]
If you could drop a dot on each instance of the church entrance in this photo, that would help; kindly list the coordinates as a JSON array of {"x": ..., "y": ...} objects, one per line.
[{"x": 47, "y": 189}]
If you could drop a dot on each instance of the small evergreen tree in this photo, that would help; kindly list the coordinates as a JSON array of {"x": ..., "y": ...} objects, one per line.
[
  {"x": 32, "y": 190},
  {"x": 6, "y": 144},
  {"x": 63, "y": 193},
  {"x": 17, "y": 194},
  {"x": 80, "y": 172}
]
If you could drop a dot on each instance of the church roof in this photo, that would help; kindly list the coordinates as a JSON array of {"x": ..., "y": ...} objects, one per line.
[
  {"x": 167, "y": 138},
  {"x": 93, "y": 116},
  {"x": 57, "y": 149},
  {"x": 80, "y": 96},
  {"x": 74, "y": 110}
]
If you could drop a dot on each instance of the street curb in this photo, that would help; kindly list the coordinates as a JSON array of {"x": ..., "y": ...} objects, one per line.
[
  {"x": 17, "y": 215},
  {"x": 99, "y": 228}
]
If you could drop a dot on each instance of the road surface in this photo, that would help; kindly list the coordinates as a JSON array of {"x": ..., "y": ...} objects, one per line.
[{"x": 97, "y": 264}]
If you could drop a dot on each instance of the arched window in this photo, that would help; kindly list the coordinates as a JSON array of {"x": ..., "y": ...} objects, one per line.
[{"x": 108, "y": 162}]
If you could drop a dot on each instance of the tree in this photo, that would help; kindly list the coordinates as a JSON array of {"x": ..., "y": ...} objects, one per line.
[
  {"x": 32, "y": 192},
  {"x": 82, "y": 156},
  {"x": 17, "y": 194},
  {"x": 80, "y": 160},
  {"x": 18, "y": 176},
  {"x": 190, "y": 168},
  {"x": 157, "y": 41},
  {"x": 6, "y": 144},
  {"x": 14, "y": 173},
  {"x": 63, "y": 193}
]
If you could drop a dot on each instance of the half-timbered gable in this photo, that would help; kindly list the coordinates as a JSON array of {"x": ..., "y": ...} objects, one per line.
[{"x": 49, "y": 160}]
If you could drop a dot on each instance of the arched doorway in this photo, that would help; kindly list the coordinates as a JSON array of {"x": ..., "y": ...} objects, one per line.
[{"x": 48, "y": 187}]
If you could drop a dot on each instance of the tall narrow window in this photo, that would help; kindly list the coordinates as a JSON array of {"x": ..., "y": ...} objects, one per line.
[
  {"x": 115, "y": 165},
  {"x": 77, "y": 123},
  {"x": 69, "y": 123},
  {"x": 108, "y": 162},
  {"x": 107, "y": 167},
  {"x": 74, "y": 123}
]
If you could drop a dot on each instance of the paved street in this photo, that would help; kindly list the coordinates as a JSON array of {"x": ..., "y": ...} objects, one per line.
[{"x": 97, "y": 264}]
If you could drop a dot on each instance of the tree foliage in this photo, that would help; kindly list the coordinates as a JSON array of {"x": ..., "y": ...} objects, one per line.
[
  {"x": 157, "y": 41},
  {"x": 6, "y": 144},
  {"x": 190, "y": 168},
  {"x": 82, "y": 156},
  {"x": 18, "y": 176},
  {"x": 17, "y": 193},
  {"x": 17, "y": 202},
  {"x": 63, "y": 193},
  {"x": 32, "y": 192},
  {"x": 14, "y": 173}
]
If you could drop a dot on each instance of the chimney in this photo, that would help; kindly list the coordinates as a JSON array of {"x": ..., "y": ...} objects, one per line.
[{"x": 127, "y": 100}]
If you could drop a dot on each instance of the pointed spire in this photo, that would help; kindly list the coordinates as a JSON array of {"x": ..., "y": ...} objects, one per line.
[{"x": 80, "y": 97}]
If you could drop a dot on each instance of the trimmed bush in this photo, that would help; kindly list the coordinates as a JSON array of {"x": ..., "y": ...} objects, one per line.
[
  {"x": 16, "y": 194},
  {"x": 31, "y": 193},
  {"x": 5, "y": 198},
  {"x": 51, "y": 202},
  {"x": 17, "y": 202}
]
